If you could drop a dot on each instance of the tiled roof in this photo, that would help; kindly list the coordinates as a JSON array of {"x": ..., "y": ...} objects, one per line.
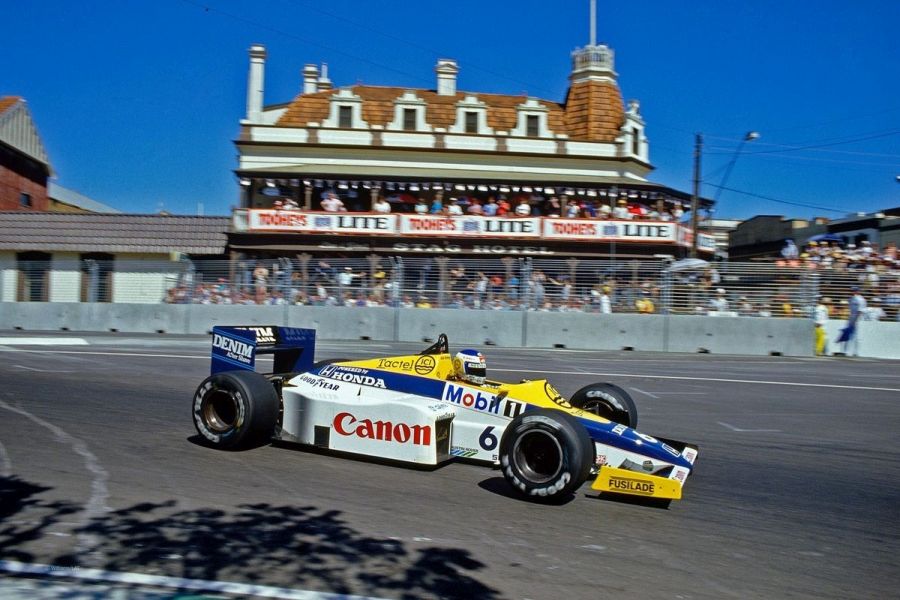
[
  {"x": 7, "y": 102},
  {"x": 594, "y": 111},
  {"x": 88, "y": 232}
]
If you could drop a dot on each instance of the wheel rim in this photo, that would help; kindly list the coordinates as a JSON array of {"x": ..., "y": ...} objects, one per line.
[
  {"x": 603, "y": 409},
  {"x": 538, "y": 456},
  {"x": 220, "y": 411}
]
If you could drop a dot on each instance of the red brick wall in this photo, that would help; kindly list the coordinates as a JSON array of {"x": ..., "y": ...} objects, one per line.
[{"x": 17, "y": 175}]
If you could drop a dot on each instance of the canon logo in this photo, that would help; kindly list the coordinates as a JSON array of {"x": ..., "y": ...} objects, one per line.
[{"x": 347, "y": 425}]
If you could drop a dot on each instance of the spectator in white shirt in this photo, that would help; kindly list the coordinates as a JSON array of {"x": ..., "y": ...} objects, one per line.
[
  {"x": 523, "y": 209},
  {"x": 382, "y": 206},
  {"x": 720, "y": 302},
  {"x": 331, "y": 203},
  {"x": 621, "y": 210}
]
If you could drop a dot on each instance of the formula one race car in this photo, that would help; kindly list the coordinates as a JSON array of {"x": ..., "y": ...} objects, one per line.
[{"x": 430, "y": 408}]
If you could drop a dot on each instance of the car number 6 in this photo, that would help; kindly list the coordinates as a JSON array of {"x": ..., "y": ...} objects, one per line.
[{"x": 488, "y": 440}]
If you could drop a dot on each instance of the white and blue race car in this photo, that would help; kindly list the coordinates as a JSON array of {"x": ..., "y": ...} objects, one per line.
[{"x": 431, "y": 408}]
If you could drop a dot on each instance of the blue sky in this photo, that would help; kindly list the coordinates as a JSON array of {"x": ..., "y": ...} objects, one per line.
[{"x": 138, "y": 101}]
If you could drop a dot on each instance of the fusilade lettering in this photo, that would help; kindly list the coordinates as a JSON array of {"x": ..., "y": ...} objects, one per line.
[{"x": 634, "y": 486}]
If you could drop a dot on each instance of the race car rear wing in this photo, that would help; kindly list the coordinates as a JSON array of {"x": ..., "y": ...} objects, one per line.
[{"x": 234, "y": 348}]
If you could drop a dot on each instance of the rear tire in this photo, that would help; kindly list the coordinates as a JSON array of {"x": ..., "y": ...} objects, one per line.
[
  {"x": 236, "y": 409},
  {"x": 546, "y": 455},
  {"x": 608, "y": 401}
]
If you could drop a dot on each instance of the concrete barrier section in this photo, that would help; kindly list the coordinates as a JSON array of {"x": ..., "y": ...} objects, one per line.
[
  {"x": 753, "y": 336},
  {"x": 594, "y": 331},
  {"x": 463, "y": 327},
  {"x": 344, "y": 323}
]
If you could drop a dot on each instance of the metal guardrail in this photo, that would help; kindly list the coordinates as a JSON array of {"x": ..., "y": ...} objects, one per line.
[{"x": 780, "y": 289}]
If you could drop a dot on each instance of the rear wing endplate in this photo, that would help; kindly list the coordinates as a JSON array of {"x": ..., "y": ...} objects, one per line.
[{"x": 236, "y": 347}]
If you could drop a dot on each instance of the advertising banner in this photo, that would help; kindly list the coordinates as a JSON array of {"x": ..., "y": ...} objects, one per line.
[
  {"x": 468, "y": 226},
  {"x": 300, "y": 222},
  {"x": 622, "y": 231}
]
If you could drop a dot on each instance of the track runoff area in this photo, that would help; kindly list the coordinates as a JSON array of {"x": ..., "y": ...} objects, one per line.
[{"x": 106, "y": 489}]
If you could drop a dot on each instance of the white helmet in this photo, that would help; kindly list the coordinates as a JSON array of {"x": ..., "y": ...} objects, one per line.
[{"x": 469, "y": 366}]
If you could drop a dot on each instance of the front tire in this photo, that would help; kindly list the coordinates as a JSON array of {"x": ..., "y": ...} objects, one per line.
[
  {"x": 546, "y": 455},
  {"x": 608, "y": 401},
  {"x": 236, "y": 409}
]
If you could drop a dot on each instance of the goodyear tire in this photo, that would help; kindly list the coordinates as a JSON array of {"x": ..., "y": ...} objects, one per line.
[
  {"x": 607, "y": 400},
  {"x": 236, "y": 409},
  {"x": 546, "y": 454}
]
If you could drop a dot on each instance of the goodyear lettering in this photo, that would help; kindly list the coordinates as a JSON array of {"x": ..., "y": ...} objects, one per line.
[
  {"x": 320, "y": 383},
  {"x": 346, "y": 424},
  {"x": 633, "y": 486},
  {"x": 234, "y": 349},
  {"x": 469, "y": 398}
]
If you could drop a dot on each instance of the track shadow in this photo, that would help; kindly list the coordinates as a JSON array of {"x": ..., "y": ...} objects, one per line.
[
  {"x": 17, "y": 530},
  {"x": 660, "y": 503},
  {"x": 301, "y": 547},
  {"x": 499, "y": 486}
]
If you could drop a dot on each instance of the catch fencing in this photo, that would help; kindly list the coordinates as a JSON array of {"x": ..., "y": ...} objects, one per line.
[{"x": 766, "y": 289}]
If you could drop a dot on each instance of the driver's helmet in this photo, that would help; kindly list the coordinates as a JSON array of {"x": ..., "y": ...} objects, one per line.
[{"x": 469, "y": 366}]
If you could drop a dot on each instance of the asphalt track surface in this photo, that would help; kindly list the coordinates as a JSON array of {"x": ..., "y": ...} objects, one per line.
[{"x": 795, "y": 494}]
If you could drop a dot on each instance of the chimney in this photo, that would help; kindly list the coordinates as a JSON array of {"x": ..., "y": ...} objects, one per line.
[
  {"x": 310, "y": 78},
  {"x": 324, "y": 83},
  {"x": 255, "y": 83},
  {"x": 446, "y": 70}
]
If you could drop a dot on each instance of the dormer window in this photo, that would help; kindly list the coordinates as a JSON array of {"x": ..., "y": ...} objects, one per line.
[
  {"x": 532, "y": 125},
  {"x": 409, "y": 119},
  {"x": 471, "y": 122},
  {"x": 345, "y": 117}
]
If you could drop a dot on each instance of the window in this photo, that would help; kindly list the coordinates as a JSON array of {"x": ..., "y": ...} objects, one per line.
[
  {"x": 409, "y": 119},
  {"x": 471, "y": 122},
  {"x": 636, "y": 142},
  {"x": 34, "y": 276},
  {"x": 345, "y": 116},
  {"x": 25, "y": 200},
  {"x": 96, "y": 277},
  {"x": 532, "y": 125}
]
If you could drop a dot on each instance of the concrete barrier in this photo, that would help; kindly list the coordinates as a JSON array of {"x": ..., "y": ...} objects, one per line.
[
  {"x": 676, "y": 333},
  {"x": 466, "y": 327},
  {"x": 345, "y": 323},
  {"x": 752, "y": 336},
  {"x": 594, "y": 331}
]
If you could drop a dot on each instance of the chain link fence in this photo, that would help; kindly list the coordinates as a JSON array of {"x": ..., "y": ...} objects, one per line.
[{"x": 781, "y": 289}]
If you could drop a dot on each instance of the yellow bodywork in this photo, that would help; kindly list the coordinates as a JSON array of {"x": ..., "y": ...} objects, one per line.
[{"x": 622, "y": 481}]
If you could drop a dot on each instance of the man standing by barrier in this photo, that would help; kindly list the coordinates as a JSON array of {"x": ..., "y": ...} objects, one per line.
[
  {"x": 850, "y": 333},
  {"x": 821, "y": 315}
]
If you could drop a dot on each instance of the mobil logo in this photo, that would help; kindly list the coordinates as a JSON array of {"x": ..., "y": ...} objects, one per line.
[
  {"x": 469, "y": 398},
  {"x": 347, "y": 424}
]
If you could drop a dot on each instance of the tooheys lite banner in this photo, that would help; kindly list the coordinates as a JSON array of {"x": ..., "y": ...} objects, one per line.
[
  {"x": 237, "y": 347},
  {"x": 625, "y": 231},
  {"x": 285, "y": 220},
  {"x": 469, "y": 226}
]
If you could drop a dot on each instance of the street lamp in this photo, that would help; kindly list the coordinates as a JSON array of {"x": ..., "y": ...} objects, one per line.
[{"x": 695, "y": 196}]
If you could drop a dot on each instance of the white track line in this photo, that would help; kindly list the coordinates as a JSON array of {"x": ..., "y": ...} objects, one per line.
[
  {"x": 645, "y": 393},
  {"x": 42, "y": 341},
  {"x": 597, "y": 373},
  {"x": 244, "y": 590},
  {"x": 739, "y": 430},
  {"x": 96, "y": 505}
]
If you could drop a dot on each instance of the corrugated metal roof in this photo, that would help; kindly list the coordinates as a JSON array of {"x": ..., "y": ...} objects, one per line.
[
  {"x": 17, "y": 129},
  {"x": 88, "y": 232},
  {"x": 73, "y": 198}
]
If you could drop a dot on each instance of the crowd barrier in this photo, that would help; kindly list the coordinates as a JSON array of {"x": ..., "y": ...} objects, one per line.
[{"x": 757, "y": 336}]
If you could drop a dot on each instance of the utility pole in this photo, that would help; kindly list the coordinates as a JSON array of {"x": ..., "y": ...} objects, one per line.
[{"x": 695, "y": 197}]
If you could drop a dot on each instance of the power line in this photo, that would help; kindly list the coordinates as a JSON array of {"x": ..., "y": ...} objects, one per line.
[
  {"x": 298, "y": 38},
  {"x": 826, "y": 143},
  {"x": 434, "y": 53},
  {"x": 770, "y": 199}
]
